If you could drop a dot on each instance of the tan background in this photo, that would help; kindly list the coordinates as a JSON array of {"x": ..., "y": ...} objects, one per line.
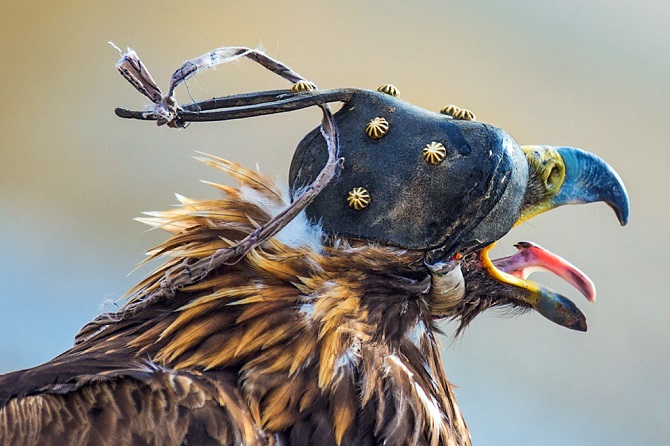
[{"x": 588, "y": 74}]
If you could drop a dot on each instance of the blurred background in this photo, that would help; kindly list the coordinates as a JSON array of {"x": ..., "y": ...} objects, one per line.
[{"x": 588, "y": 74}]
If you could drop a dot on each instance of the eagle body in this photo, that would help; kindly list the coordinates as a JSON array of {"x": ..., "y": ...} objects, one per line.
[
  {"x": 308, "y": 339},
  {"x": 309, "y": 317}
]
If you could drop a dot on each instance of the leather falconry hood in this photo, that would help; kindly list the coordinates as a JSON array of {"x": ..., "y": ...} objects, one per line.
[{"x": 422, "y": 172}]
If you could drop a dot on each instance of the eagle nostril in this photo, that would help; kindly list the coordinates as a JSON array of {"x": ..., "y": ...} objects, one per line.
[{"x": 554, "y": 177}]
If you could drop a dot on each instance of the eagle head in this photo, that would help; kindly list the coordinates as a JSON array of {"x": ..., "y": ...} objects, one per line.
[{"x": 450, "y": 188}]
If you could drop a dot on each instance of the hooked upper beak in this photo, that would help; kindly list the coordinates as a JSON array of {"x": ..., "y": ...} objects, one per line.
[
  {"x": 565, "y": 175},
  {"x": 557, "y": 176}
]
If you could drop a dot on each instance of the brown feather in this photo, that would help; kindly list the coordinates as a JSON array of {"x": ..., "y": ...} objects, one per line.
[{"x": 293, "y": 344}]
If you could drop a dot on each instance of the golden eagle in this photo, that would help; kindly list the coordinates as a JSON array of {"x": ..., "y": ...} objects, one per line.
[{"x": 306, "y": 315}]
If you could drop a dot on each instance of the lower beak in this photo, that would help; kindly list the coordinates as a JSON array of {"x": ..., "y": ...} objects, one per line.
[{"x": 530, "y": 258}]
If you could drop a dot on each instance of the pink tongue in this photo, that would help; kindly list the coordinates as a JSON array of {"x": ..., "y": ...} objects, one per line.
[{"x": 531, "y": 257}]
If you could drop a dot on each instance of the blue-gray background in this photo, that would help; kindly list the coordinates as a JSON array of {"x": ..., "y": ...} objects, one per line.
[{"x": 588, "y": 74}]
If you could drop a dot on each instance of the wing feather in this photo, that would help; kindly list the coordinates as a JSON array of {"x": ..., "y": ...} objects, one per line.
[{"x": 140, "y": 407}]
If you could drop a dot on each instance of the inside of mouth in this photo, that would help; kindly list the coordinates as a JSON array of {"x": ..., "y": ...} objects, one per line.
[{"x": 530, "y": 258}]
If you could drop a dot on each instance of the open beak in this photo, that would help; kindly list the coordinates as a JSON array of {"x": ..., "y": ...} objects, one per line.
[{"x": 558, "y": 176}]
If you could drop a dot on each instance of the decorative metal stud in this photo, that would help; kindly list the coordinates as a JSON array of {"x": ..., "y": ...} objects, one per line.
[
  {"x": 302, "y": 87},
  {"x": 377, "y": 128},
  {"x": 389, "y": 89},
  {"x": 465, "y": 115},
  {"x": 434, "y": 153},
  {"x": 458, "y": 113},
  {"x": 358, "y": 198},
  {"x": 450, "y": 110}
]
